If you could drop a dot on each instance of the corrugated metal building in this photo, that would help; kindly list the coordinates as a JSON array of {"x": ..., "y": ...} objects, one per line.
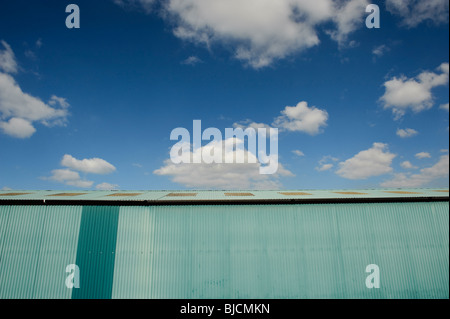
[{"x": 217, "y": 244}]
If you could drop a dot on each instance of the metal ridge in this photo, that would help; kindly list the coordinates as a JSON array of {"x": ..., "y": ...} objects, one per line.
[{"x": 205, "y": 202}]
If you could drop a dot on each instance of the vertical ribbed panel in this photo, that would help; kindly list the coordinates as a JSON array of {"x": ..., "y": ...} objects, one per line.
[
  {"x": 95, "y": 253},
  {"x": 36, "y": 245},
  {"x": 285, "y": 251},
  {"x": 254, "y": 251}
]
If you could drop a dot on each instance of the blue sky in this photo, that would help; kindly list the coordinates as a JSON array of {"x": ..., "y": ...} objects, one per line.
[{"x": 93, "y": 107}]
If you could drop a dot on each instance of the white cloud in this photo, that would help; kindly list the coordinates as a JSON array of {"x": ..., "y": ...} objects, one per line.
[
  {"x": 444, "y": 150},
  {"x": 325, "y": 163},
  {"x": 409, "y": 132},
  {"x": 425, "y": 177},
  {"x": 18, "y": 110},
  {"x": 62, "y": 102},
  {"x": 380, "y": 50},
  {"x": 7, "y": 59},
  {"x": 372, "y": 162},
  {"x": 298, "y": 153},
  {"x": 6, "y": 189},
  {"x": 444, "y": 107},
  {"x": 222, "y": 176},
  {"x": 325, "y": 167},
  {"x": 302, "y": 118},
  {"x": 260, "y": 32},
  {"x": 408, "y": 165},
  {"x": 299, "y": 118},
  {"x": 93, "y": 165},
  {"x": 258, "y": 39},
  {"x": 403, "y": 93},
  {"x": 348, "y": 18},
  {"x": 107, "y": 187},
  {"x": 17, "y": 127},
  {"x": 192, "y": 60},
  {"x": 15, "y": 103},
  {"x": 413, "y": 12},
  {"x": 423, "y": 155},
  {"x": 69, "y": 177}
]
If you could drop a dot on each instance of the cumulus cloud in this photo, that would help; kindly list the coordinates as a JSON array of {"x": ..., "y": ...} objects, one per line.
[
  {"x": 299, "y": 118},
  {"x": 302, "y": 118},
  {"x": 69, "y": 177},
  {"x": 324, "y": 167},
  {"x": 258, "y": 39},
  {"x": 413, "y": 12},
  {"x": 444, "y": 107},
  {"x": 409, "y": 132},
  {"x": 260, "y": 32},
  {"x": 8, "y": 62},
  {"x": 423, "y": 155},
  {"x": 348, "y": 17},
  {"x": 402, "y": 93},
  {"x": 92, "y": 165},
  {"x": 19, "y": 110},
  {"x": 15, "y": 103},
  {"x": 375, "y": 161},
  {"x": 426, "y": 176},
  {"x": 225, "y": 175},
  {"x": 298, "y": 153},
  {"x": 326, "y": 163},
  {"x": 62, "y": 102},
  {"x": 408, "y": 165},
  {"x": 17, "y": 127},
  {"x": 107, "y": 187}
]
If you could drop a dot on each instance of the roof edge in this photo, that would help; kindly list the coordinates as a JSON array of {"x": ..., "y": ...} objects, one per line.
[{"x": 290, "y": 201}]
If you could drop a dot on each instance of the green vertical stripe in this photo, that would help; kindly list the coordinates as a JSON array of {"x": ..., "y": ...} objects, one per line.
[{"x": 96, "y": 252}]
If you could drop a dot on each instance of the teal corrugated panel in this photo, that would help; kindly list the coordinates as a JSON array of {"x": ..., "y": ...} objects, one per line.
[
  {"x": 58, "y": 249},
  {"x": 253, "y": 251},
  {"x": 36, "y": 245},
  {"x": 282, "y": 251},
  {"x": 20, "y": 253},
  {"x": 96, "y": 252}
]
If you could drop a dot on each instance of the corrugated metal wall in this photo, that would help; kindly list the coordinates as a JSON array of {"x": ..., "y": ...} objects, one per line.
[
  {"x": 254, "y": 251},
  {"x": 36, "y": 245}
]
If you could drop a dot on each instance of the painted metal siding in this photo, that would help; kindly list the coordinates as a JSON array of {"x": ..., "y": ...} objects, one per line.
[
  {"x": 226, "y": 251},
  {"x": 293, "y": 251},
  {"x": 95, "y": 253},
  {"x": 36, "y": 245}
]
